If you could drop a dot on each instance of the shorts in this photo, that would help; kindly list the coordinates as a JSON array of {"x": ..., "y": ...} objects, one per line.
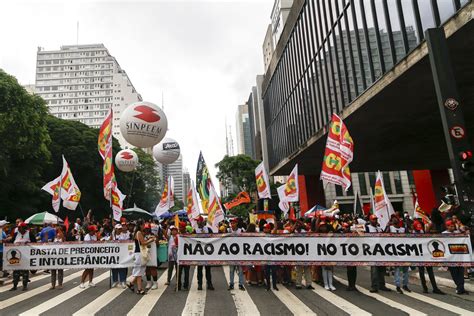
[{"x": 138, "y": 268}]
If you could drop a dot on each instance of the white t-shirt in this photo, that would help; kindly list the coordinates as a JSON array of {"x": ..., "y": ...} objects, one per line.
[
  {"x": 88, "y": 237},
  {"x": 397, "y": 230}
]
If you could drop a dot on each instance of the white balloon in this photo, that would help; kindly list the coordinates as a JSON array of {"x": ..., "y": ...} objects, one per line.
[
  {"x": 143, "y": 124},
  {"x": 126, "y": 160},
  {"x": 167, "y": 151}
]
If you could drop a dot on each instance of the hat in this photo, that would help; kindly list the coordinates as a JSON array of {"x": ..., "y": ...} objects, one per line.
[
  {"x": 182, "y": 225},
  {"x": 173, "y": 227},
  {"x": 118, "y": 226},
  {"x": 417, "y": 225},
  {"x": 373, "y": 216},
  {"x": 147, "y": 226},
  {"x": 345, "y": 225},
  {"x": 3, "y": 223},
  {"x": 22, "y": 224},
  {"x": 235, "y": 220},
  {"x": 92, "y": 228},
  {"x": 199, "y": 219},
  {"x": 449, "y": 222},
  {"x": 267, "y": 226},
  {"x": 189, "y": 229}
]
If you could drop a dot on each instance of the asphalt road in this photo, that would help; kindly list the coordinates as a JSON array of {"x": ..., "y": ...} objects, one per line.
[{"x": 101, "y": 300}]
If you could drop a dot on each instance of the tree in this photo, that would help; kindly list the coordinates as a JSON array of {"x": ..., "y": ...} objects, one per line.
[
  {"x": 178, "y": 205},
  {"x": 24, "y": 146}
]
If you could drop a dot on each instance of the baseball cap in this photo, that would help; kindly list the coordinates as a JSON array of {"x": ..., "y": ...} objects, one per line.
[
  {"x": 199, "y": 219},
  {"x": 118, "y": 226},
  {"x": 91, "y": 228},
  {"x": 22, "y": 224},
  {"x": 147, "y": 226},
  {"x": 267, "y": 226},
  {"x": 373, "y": 216},
  {"x": 449, "y": 222}
]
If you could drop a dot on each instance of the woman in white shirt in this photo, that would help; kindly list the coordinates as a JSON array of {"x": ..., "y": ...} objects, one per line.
[{"x": 89, "y": 273}]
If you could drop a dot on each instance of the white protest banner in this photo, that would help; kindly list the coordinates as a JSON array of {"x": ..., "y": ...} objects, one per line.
[
  {"x": 72, "y": 255},
  {"x": 319, "y": 249}
]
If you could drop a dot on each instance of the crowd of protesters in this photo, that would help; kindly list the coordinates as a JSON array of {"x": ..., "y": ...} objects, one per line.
[{"x": 147, "y": 233}]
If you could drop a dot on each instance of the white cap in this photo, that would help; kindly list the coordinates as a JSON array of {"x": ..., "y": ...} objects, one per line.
[
  {"x": 118, "y": 226},
  {"x": 3, "y": 223}
]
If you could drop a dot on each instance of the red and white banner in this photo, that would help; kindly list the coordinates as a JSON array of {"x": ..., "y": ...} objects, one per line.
[
  {"x": 263, "y": 184},
  {"x": 382, "y": 206},
  {"x": 338, "y": 154},
  {"x": 324, "y": 249}
]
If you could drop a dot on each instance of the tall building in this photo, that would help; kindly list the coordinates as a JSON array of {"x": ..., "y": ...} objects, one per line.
[
  {"x": 280, "y": 11},
  {"x": 186, "y": 185},
  {"x": 268, "y": 47},
  {"x": 244, "y": 131},
  {"x": 82, "y": 82},
  {"x": 175, "y": 170}
]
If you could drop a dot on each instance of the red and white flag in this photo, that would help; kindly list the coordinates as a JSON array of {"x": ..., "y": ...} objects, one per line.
[
  {"x": 117, "y": 203},
  {"x": 338, "y": 154},
  {"x": 263, "y": 184},
  {"x": 192, "y": 203},
  {"x": 54, "y": 188},
  {"x": 70, "y": 192},
  {"x": 289, "y": 192},
  {"x": 382, "y": 205},
  {"x": 215, "y": 212},
  {"x": 104, "y": 144},
  {"x": 167, "y": 198}
]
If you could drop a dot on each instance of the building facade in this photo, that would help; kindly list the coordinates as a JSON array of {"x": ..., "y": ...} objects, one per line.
[
  {"x": 82, "y": 82},
  {"x": 244, "y": 130},
  {"x": 186, "y": 185}
]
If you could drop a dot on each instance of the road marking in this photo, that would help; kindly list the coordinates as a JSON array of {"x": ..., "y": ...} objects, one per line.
[
  {"x": 294, "y": 304},
  {"x": 435, "y": 302},
  {"x": 28, "y": 294},
  {"x": 61, "y": 298},
  {"x": 196, "y": 300},
  {"x": 242, "y": 300},
  {"x": 384, "y": 300},
  {"x": 33, "y": 279},
  {"x": 147, "y": 302},
  {"x": 341, "y": 303}
]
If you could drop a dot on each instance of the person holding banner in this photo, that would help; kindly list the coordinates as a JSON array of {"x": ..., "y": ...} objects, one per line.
[
  {"x": 120, "y": 274},
  {"x": 351, "y": 270},
  {"x": 59, "y": 237},
  {"x": 183, "y": 268},
  {"x": 89, "y": 273},
  {"x": 269, "y": 268},
  {"x": 306, "y": 269},
  {"x": 396, "y": 227},
  {"x": 236, "y": 230},
  {"x": 377, "y": 273},
  {"x": 172, "y": 253},
  {"x": 201, "y": 229},
  {"x": 327, "y": 271},
  {"x": 22, "y": 235},
  {"x": 151, "y": 272},
  {"x": 457, "y": 273}
]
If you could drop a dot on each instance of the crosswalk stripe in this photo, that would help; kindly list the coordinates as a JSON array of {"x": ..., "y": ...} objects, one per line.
[
  {"x": 61, "y": 298},
  {"x": 294, "y": 304},
  {"x": 340, "y": 302},
  {"x": 98, "y": 303},
  {"x": 33, "y": 279},
  {"x": 435, "y": 302},
  {"x": 384, "y": 300},
  {"x": 28, "y": 294},
  {"x": 242, "y": 300},
  {"x": 147, "y": 302},
  {"x": 196, "y": 300}
]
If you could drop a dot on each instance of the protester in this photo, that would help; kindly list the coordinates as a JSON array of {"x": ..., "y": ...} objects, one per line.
[
  {"x": 172, "y": 253},
  {"x": 89, "y": 273},
  {"x": 377, "y": 273},
  {"x": 457, "y": 273},
  {"x": 120, "y": 274},
  {"x": 139, "y": 266},
  {"x": 22, "y": 235},
  {"x": 59, "y": 273},
  {"x": 236, "y": 230},
  {"x": 48, "y": 233},
  {"x": 351, "y": 270},
  {"x": 306, "y": 269},
  {"x": 201, "y": 229},
  {"x": 183, "y": 268},
  {"x": 3, "y": 238},
  {"x": 269, "y": 268},
  {"x": 327, "y": 271},
  {"x": 151, "y": 272},
  {"x": 396, "y": 227}
]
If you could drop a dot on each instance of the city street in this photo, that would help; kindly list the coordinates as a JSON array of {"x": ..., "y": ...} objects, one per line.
[{"x": 101, "y": 300}]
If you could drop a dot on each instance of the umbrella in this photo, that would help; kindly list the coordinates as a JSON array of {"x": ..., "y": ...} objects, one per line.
[
  {"x": 136, "y": 211},
  {"x": 43, "y": 218},
  {"x": 166, "y": 215},
  {"x": 181, "y": 213}
]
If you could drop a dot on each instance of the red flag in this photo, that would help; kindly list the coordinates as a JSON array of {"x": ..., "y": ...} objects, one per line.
[
  {"x": 338, "y": 154},
  {"x": 66, "y": 224}
]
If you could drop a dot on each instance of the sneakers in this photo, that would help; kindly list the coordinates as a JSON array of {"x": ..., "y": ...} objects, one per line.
[
  {"x": 210, "y": 287},
  {"x": 241, "y": 287},
  {"x": 373, "y": 290},
  {"x": 275, "y": 288},
  {"x": 327, "y": 287},
  {"x": 407, "y": 289},
  {"x": 124, "y": 286},
  {"x": 385, "y": 289},
  {"x": 82, "y": 286},
  {"x": 148, "y": 285},
  {"x": 399, "y": 290},
  {"x": 199, "y": 287},
  {"x": 114, "y": 284},
  {"x": 332, "y": 288},
  {"x": 91, "y": 284},
  {"x": 154, "y": 286},
  {"x": 230, "y": 288},
  {"x": 438, "y": 291}
]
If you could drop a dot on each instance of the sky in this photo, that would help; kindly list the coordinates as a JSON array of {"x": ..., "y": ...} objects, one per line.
[{"x": 202, "y": 56}]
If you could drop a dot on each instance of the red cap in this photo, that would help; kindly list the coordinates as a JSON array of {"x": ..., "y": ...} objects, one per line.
[
  {"x": 200, "y": 219},
  {"x": 417, "y": 225},
  {"x": 147, "y": 226},
  {"x": 322, "y": 217},
  {"x": 345, "y": 225},
  {"x": 267, "y": 226},
  {"x": 235, "y": 220},
  {"x": 22, "y": 224},
  {"x": 449, "y": 222},
  {"x": 182, "y": 225},
  {"x": 373, "y": 216},
  {"x": 91, "y": 228}
]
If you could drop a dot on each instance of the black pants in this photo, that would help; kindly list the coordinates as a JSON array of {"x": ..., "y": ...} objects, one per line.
[
  {"x": 171, "y": 265},
  {"x": 184, "y": 269},
  {"x": 271, "y": 270},
  {"x": 457, "y": 273},
  {"x": 208, "y": 275},
  {"x": 377, "y": 277},
  {"x": 352, "y": 276},
  {"x": 421, "y": 272},
  {"x": 16, "y": 277}
]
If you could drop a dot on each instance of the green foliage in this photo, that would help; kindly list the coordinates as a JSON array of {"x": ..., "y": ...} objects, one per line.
[
  {"x": 240, "y": 170},
  {"x": 178, "y": 205},
  {"x": 24, "y": 146}
]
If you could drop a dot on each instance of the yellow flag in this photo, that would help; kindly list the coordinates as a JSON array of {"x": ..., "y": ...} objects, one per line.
[
  {"x": 253, "y": 218},
  {"x": 176, "y": 221}
]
